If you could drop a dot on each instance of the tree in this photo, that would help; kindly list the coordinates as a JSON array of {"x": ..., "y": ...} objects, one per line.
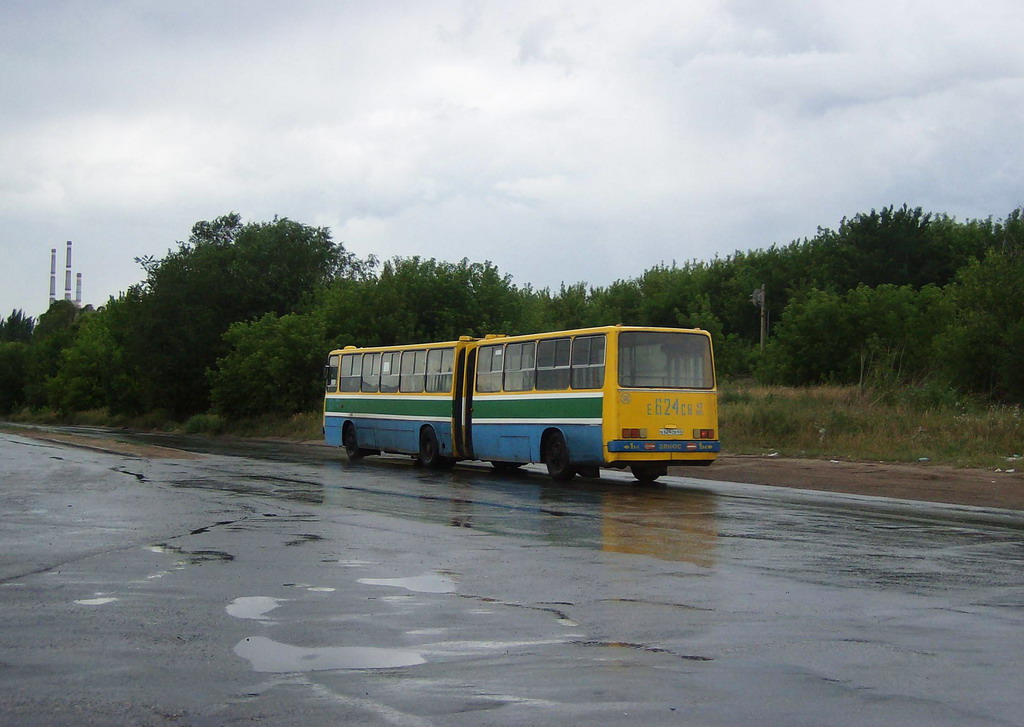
[
  {"x": 53, "y": 333},
  {"x": 13, "y": 367},
  {"x": 982, "y": 347},
  {"x": 17, "y": 327},
  {"x": 92, "y": 373},
  {"x": 865, "y": 334},
  {"x": 225, "y": 273},
  {"x": 273, "y": 366},
  {"x": 414, "y": 299}
]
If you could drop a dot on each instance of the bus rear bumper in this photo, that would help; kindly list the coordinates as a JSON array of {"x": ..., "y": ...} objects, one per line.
[{"x": 633, "y": 446}]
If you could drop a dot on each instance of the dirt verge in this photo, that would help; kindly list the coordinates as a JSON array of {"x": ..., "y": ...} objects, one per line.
[
  {"x": 927, "y": 482},
  {"x": 106, "y": 445}
]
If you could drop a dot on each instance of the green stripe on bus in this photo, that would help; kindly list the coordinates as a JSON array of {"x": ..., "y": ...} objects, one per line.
[
  {"x": 529, "y": 408},
  {"x": 440, "y": 407}
]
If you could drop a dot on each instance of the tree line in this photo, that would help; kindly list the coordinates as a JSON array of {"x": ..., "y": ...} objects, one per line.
[{"x": 238, "y": 319}]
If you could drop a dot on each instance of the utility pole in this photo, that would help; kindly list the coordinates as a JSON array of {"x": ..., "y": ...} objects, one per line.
[{"x": 760, "y": 300}]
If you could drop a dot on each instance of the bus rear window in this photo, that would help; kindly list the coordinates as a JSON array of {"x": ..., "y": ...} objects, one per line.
[{"x": 665, "y": 360}]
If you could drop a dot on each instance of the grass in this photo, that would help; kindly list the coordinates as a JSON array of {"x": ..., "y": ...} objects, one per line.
[{"x": 851, "y": 423}]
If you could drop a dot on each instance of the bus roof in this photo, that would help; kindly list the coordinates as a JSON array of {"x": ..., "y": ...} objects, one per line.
[{"x": 490, "y": 337}]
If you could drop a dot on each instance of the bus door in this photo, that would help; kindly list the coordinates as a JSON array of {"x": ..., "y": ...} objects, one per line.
[{"x": 465, "y": 368}]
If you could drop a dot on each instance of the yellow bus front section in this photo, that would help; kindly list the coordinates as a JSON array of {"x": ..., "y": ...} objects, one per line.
[{"x": 668, "y": 426}]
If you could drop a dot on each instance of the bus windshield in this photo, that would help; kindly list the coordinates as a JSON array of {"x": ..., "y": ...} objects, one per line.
[{"x": 665, "y": 360}]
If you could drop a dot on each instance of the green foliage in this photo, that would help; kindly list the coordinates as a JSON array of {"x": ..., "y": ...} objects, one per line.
[
  {"x": 413, "y": 299},
  {"x": 982, "y": 348},
  {"x": 17, "y": 327},
  {"x": 13, "y": 368},
  {"x": 54, "y": 332},
  {"x": 88, "y": 367},
  {"x": 226, "y": 273},
  {"x": 206, "y": 424},
  {"x": 272, "y": 366},
  {"x": 240, "y": 317},
  {"x": 93, "y": 373},
  {"x": 877, "y": 334}
]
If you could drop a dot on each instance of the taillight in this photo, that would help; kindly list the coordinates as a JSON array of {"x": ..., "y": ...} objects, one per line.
[
  {"x": 634, "y": 434},
  {"x": 703, "y": 433}
]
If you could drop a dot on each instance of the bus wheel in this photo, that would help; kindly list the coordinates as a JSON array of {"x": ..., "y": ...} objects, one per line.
[
  {"x": 648, "y": 472},
  {"x": 430, "y": 451},
  {"x": 556, "y": 457},
  {"x": 348, "y": 439}
]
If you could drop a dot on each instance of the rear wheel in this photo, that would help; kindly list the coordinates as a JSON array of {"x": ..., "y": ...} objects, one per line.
[
  {"x": 556, "y": 457},
  {"x": 648, "y": 472},
  {"x": 351, "y": 443},
  {"x": 430, "y": 451}
]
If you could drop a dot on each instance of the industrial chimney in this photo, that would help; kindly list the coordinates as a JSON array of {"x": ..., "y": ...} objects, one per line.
[
  {"x": 67, "y": 279},
  {"x": 53, "y": 275},
  {"x": 67, "y": 275}
]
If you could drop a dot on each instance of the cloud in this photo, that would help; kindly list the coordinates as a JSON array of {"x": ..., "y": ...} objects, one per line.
[{"x": 569, "y": 141}]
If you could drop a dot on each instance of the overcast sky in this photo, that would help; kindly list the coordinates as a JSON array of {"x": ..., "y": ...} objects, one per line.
[{"x": 563, "y": 141}]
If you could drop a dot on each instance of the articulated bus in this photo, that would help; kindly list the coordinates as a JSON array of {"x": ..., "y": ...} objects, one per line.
[{"x": 576, "y": 401}]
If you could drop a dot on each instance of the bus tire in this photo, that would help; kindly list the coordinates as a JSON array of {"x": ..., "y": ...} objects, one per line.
[
  {"x": 648, "y": 472},
  {"x": 556, "y": 458},
  {"x": 430, "y": 451},
  {"x": 351, "y": 442}
]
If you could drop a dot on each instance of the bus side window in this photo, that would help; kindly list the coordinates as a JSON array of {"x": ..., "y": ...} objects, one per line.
[
  {"x": 588, "y": 362},
  {"x": 553, "y": 364},
  {"x": 414, "y": 367},
  {"x": 389, "y": 372},
  {"x": 371, "y": 372},
  {"x": 439, "y": 369},
  {"x": 332, "y": 373},
  {"x": 351, "y": 371},
  {"x": 489, "y": 366},
  {"x": 519, "y": 366}
]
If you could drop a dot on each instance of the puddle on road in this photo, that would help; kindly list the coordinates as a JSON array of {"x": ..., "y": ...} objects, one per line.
[
  {"x": 312, "y": 589},
  {"x": 254, "y": 607},
  {"x": 426, "y": 583},
  {"x": 99, "y": 601},
  {"x": 192, "y": 557},
  {"x": 267, "y": 655}
]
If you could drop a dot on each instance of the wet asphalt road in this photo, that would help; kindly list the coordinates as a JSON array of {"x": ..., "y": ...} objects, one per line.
[{"x": 281, "y": 585}]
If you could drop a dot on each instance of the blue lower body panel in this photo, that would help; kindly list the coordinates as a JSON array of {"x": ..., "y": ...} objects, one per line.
[
  {"x": 332, "y": 431},
  {"x": 387, "y": 435},
  {"x": 522, "y": 442}
]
